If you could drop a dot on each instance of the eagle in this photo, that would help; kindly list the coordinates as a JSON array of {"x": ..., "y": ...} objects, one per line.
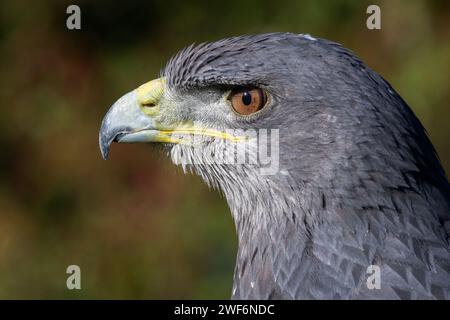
[{"x": 334, "y": 187}]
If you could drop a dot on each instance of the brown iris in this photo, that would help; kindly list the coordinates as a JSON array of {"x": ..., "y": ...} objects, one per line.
[{"x": 246, "y": 101}]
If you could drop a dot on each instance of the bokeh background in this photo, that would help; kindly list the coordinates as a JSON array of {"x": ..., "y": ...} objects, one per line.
[{"x": 136, "y": 226}]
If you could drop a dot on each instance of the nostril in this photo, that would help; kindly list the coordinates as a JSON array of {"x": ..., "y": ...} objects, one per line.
[{"x": 148, "y": 105}]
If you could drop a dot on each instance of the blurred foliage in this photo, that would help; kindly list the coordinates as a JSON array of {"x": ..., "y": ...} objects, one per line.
[{"x": 135, "y": 225}]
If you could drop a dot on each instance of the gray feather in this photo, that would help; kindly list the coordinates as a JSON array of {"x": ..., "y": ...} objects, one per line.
[{"x": 364, "y": 185}]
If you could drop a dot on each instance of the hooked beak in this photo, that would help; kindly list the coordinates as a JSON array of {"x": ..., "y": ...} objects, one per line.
[
  {"x": 127, "y": 122},
  {"x": 132, "y": 120}
]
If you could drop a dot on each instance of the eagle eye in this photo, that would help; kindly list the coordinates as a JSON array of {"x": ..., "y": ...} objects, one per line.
[{"x": 246, "y": 101}]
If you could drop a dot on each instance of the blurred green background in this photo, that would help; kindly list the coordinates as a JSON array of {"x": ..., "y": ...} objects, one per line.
[{"x": 136, "y": 226}]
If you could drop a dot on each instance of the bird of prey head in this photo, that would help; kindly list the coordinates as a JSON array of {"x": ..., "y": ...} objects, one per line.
[{"x": 357, "y": 185}]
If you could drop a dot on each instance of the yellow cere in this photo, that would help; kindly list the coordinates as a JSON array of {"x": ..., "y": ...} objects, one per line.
[
  {"x": 148, "y": 97},
  {"x": 151, "y": 92}
]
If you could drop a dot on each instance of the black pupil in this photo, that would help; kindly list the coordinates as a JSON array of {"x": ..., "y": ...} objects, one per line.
[{"x": 246, "y": 98}]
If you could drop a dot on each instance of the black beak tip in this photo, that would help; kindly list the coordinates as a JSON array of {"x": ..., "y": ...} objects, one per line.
[
  {"x": 108, "y": 136},
  {"x": 104, "y": 145},
  {"x": 105, "y": 155},
  {"x": 104, "y": 150}
]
